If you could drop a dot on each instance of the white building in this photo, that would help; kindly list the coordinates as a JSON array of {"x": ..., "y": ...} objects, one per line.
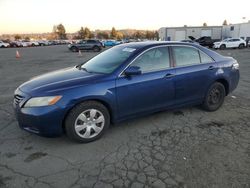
[
  {"x": 241, "y": 30},
  {"x": 181, "y": 33}
]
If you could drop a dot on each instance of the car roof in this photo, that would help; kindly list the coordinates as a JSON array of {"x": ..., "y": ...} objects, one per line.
[
  {"x": 138, "y": 45},
  {"x": 149, "y": 44}
]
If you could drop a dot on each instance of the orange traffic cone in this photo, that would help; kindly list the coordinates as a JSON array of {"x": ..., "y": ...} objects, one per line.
[
  {"x": 17, "y": 54},
  {"x": 80, "y": 53}
]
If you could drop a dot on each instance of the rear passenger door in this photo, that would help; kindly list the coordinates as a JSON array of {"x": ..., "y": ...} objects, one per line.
[
  {"x": 90, "y": 44},
  {"x": 194, "y": 72},
  {"x": 236, "y": 43}
]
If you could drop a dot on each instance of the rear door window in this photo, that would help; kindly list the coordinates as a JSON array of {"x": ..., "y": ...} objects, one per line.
[
  {"x": 205, "y": 58},
  {"x": 185, "y": 56},
  {"x": 91, "y": 41}
]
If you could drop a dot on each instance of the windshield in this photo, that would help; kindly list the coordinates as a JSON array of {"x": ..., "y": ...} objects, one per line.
[{"x": 109, "y": 60}]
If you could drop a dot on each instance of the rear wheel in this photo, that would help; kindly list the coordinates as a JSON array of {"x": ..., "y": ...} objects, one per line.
[
  {"x": 241, "y": 46},
  {"x": 96, "y": 49},
  {"x": 214, "y": 97},
  {"x": 87, "y": 121},
  {"x": 223, "y": 46}
]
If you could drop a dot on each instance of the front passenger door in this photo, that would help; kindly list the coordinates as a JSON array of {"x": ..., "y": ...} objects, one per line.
[
  {"x": 152, "y": 89},
  {"x": 230, "y": 43}
]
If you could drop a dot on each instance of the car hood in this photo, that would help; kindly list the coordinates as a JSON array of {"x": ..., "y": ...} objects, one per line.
[
  {"x": 191, "y": 37},
  {"x": 59, "y": 80}
]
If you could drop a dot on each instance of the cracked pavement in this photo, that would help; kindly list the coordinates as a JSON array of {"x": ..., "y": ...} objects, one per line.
[{"x": 182, "y": 148}]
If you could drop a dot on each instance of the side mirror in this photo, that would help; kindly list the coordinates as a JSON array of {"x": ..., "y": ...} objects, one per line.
[{"x": 133, "y": 70}]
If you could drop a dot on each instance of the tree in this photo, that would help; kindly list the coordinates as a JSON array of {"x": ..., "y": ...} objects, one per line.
[
  {"x": 138, "y": 35},
  {"x": 150, "y": 35},
  {"x": 113, "y": 33},
  {"x": 17, "y": 37},
  {"x": 204, "y": 24},
  {"x": 87, "y": 33},
  {"x": 119, "y": 35},
  {"x": 225, "y": 22},
  {"x": 60, "y": 31},
  {"x": 92, "y": 35},
  {"x": 27, "y": 38},
  {"x": 157, "y": 35},
  {"x": 84, "y": 33},
  {"x": 81, "y": 34},
  {"x": 102, "y": 35}
]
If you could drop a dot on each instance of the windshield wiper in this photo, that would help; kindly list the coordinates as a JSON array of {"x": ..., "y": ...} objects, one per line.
[{"x": 83, "y": 68}]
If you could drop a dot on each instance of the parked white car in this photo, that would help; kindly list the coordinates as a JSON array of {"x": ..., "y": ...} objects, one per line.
[
  {"x": 34, "y": 43},
  {"x": 4, "y": 44},
  {"x": 25, "y": 43},
  {"x": 43, "y": 42},
  {"x": 230, "y": 43}
]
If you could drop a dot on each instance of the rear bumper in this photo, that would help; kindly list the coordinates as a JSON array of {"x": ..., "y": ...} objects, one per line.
[{"x": 235, "y": 77}]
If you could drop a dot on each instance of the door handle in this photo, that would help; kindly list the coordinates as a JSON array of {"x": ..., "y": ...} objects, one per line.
[
  {"x": 211, "y": 67},
  {"x": 169, "y": 75}
]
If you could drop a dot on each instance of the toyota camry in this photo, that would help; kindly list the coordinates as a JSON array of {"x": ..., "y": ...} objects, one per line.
[{"x": 125, "y": 81}]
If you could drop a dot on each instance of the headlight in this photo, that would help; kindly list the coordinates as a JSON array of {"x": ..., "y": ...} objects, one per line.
[
  {"x": 235, "y": 66},
  {"x": 42, "y": 101}
]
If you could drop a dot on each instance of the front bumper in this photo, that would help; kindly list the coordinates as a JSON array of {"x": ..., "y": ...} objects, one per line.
[
  {"x": 45, "y": 121},
  {"x": 216, "y": 46}
]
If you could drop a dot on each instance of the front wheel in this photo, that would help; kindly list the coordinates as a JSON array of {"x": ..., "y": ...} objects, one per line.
[
  {"x": 87, "y": 121},
  {"x": 223, "y": 47},
  {"x": 74, "y": 49},
  {"x": 241, "y": 46},
  {"x": 214, "y": 97}
]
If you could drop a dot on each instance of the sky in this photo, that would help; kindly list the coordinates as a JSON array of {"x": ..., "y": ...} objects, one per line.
[{"x": 38, "y": 16}]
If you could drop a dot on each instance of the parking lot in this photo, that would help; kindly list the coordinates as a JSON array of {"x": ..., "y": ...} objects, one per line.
[{"x": 184, "y": 148}]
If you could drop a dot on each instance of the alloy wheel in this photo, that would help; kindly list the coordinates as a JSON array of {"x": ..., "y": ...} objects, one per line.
[{"x": 89, "y": 123}]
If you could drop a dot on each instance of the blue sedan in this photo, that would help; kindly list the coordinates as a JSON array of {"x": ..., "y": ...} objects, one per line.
[
  {"x": 126, "y": 81},
  {"x": 110, "y": 43}
]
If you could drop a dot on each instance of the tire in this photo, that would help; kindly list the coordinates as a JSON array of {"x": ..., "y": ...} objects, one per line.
[
  {"x": 223, "y": 47},
  {"x": 214, "y": 97},
  {"x": 85, "y": 117},
  {"x": 241, "y": 46},
  {"x": 74, "y": 49},
  {"x": 96, "y": 49}
]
